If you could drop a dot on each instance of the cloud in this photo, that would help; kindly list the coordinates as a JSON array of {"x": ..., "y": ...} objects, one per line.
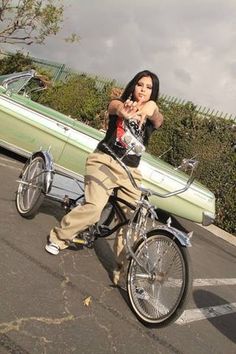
[
  {"x": 189, "y": 44},
  {"x": 183, "y": 75},
  {"x": 232, "y": 70}
]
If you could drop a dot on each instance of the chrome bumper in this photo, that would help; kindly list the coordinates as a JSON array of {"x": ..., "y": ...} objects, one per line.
[{"x": 207, "y": 218}]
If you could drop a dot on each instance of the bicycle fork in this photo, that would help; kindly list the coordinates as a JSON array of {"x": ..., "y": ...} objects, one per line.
[{"x": 140, "y": 229}]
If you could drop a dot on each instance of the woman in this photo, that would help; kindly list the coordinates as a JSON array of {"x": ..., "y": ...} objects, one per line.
[{"x": 136, "y": 114}]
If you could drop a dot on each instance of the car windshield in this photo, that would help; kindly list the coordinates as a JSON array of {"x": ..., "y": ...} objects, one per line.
[{"x": 16, "y": 82}]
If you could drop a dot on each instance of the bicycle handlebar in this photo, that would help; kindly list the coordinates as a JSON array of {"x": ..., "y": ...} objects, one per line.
[{"x": 147, "y": 191}]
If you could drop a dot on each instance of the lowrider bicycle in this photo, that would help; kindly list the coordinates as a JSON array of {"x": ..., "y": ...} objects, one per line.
[{"x": 159, "y": 277}]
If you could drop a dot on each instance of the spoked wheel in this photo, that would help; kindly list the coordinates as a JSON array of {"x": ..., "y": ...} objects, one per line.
[
  {"x": 158, "y": 297},
  {"x": 30, "y": 194}
]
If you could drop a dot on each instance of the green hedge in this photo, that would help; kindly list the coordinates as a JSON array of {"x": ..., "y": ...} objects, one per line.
[
  {"x": 209, "y": 140},
  {"x": 15, "y": 63},
  {"x": 80, "y": 98}
]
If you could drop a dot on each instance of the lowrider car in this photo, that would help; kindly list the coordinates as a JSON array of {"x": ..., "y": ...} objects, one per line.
[{"x": 27, "y": 126}]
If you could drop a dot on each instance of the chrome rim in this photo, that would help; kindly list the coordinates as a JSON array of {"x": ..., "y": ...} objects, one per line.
[
  {"x": 31, "y": 184},
  {"x": 156, "y": 295}
]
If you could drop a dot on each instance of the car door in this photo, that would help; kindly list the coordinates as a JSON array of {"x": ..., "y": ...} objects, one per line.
[
  {"x": 26, "y": 126},
  {"x": 82, "y": 139}
]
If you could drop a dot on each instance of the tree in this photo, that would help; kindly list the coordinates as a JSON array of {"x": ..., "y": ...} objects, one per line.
[{"x": 29, "y": 21}]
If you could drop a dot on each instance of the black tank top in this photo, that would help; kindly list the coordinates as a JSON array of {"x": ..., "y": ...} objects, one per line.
[{"x": 117, "y": 127}]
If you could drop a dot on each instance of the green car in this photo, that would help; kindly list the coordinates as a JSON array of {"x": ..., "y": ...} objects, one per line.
[{"x": 27, "y": 126}]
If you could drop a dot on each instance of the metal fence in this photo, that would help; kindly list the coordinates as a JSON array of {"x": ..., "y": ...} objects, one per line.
[{"x": 62, "y": 72}]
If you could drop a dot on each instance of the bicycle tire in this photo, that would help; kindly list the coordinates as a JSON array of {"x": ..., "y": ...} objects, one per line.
[
  {"x": 30, "y": 196},
  {"x": 161, "y": 300}
]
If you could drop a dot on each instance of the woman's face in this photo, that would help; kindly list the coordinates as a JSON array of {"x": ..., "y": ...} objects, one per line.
[{"x": 143, "y": 89}]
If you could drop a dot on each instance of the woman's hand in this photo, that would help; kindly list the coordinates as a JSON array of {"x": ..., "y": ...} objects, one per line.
[
  {"x": 127, "y": 109},
  {"x": 139, "y": 111}
]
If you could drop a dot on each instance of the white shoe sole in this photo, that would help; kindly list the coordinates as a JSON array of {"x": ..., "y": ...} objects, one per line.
[{"x": 52, "y": 248}]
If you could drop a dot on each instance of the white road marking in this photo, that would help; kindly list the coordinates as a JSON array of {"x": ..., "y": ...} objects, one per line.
[
  {"x": 172, "y": 283},
  {"x": 193, "y": 315},
  {"x": 206, "y": 312},
  {"x": 214, "y": 282}
]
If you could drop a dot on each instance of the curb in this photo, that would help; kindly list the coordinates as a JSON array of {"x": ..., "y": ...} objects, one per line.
[{"x": 220, "y": 233}]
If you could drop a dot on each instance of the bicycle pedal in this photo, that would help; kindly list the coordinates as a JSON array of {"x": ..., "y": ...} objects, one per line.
[
  {"x": 89, "y": 243},
  {"x": 80, "y": 241}
]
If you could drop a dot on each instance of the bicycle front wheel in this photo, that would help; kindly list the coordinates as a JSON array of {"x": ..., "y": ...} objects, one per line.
[
  {"x": 30, "y": 194},
  {"x": 158, "y": 296}
]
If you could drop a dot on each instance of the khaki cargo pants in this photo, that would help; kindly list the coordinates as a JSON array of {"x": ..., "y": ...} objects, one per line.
[{"x": 103, "y": 174}]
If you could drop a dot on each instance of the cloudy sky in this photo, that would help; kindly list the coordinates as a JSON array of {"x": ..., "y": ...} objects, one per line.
[{"x": 190, "y": 44}]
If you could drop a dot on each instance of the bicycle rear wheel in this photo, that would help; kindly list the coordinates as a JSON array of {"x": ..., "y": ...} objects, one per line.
[
  {"x": 159, "y": 298},
  {"x": 30, "y": 194}
]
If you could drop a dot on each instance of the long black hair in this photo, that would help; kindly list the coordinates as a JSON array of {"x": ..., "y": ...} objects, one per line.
[{"x": 129, "y": 89}]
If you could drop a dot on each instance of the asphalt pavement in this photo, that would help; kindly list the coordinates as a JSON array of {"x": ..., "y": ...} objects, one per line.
[{"x": 67, "y": 304}]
